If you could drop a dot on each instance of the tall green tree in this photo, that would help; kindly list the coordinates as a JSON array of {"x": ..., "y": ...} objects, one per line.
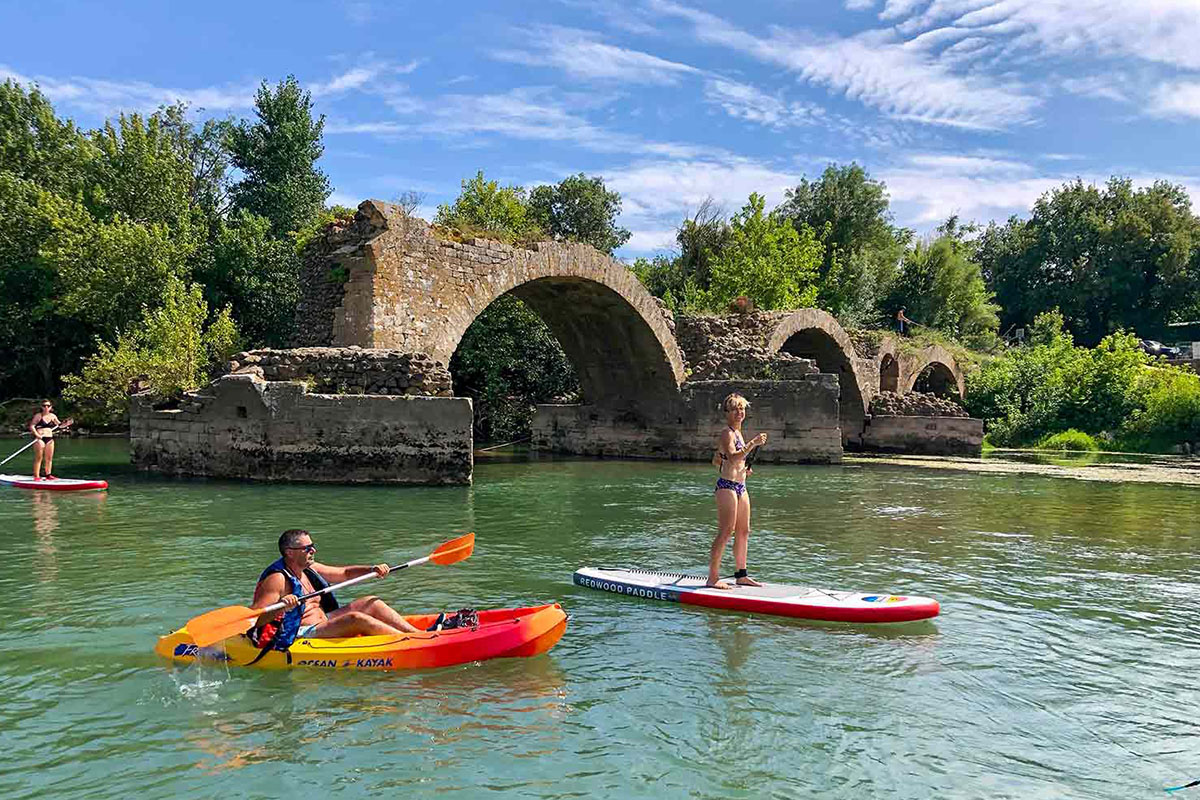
[
  {"x": 37, "y": 146},
  {"x": 767, "y": 260},
  {"x": 277, "y": 154},
  {"x": 139, "y": 173},
  {"x": 939, "y": 287},
  {"x": 850, "y": 213},
  {"x": 581, "y": 209},
  {"x": 1109, "y": 258}
]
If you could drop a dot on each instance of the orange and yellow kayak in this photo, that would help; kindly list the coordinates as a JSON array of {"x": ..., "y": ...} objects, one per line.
[{"x": 501, "y": 633}]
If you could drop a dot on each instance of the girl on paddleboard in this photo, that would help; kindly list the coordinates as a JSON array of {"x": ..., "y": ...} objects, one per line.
[
  {"x": 42, "y": 427},
  {"x": 733, "y": 500}
]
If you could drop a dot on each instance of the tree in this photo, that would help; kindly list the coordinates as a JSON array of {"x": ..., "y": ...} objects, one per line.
[
  {"x": 256, "y": 275},
  {"x": 205, "y": 151},
  {"x": 1109, "y": 258},
  {"x": 486, "y": 207},
  {"x": 172, "y": 348},
  {"x": 36, "y": 146},
  {"x": 139, "y": 173},
  {"x": 767, "y": 260},
  {"x": 277, "y": 155},
  {"x": 849, "y": 211},
  {"x": 940, "y": 288},
  {"x": 580, "y": 209}
]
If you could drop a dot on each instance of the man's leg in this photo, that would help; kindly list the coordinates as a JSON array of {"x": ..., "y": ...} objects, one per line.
[
  {"x": 377, "y": 609},
  {"x": 345, "y": 622}
]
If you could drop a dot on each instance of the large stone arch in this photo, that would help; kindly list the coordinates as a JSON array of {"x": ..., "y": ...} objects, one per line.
[
  {"x": 407, "y": 287},
  {"x": 812, "y": 333},
  {"x": 934, "y": 370}
]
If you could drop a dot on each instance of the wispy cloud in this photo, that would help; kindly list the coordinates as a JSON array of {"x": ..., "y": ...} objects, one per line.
[
  {"x": 1162, "y": 31},
  {"x": 1176, "y": 99},
  {"x": 103, "y": 96},
  {"x": 582, "y": 55},
  {"x": 876, "y": 69},
  {"x": 746, "y": 102}
]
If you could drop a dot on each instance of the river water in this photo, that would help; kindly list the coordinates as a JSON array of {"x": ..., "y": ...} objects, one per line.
[{"x": 1063, "y": 664}]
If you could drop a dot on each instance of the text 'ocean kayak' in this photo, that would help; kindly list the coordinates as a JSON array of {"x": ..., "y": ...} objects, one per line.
[
  {"x": 770, "y": 598},
  {"x": 55, "y": 485},
  {"x": 501, "y": 633}
]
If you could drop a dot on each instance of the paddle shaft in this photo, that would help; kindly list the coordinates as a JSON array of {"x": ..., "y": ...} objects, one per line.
[
  {"x": 26, "y": 447},
  {"x": 344, "y": 584}
]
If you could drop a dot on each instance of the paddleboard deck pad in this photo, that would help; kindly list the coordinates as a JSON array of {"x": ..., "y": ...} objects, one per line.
[
  {"x": 770, "y": 598},
  {"x": 56, "y": 485}
]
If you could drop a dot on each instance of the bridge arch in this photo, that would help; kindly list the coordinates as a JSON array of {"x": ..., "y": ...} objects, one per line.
[
  {"x": 816, "y": 334},
  {"x": 935, "y": 371},
  {"x": 388, "y": 280}
]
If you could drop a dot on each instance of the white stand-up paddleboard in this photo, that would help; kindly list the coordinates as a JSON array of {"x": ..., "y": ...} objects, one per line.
[
  {"x": 56, "y": 485},
  {"x": 770, "y": 598}
]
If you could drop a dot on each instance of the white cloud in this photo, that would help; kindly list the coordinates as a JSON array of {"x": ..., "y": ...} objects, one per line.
[
  {"x": 359, "y": 77},
  {"x": 104, "y": 96},
  {"x": 583, "y": 56},
  {"x": 1180, "y": 99},
  {"x": 859, "y": 5},
  {"x": 1163, "y": 31},
  {"x": 874, "y": 68},
  {"x": 746, "y": 102},
  {"x": 653, "y": 240}
]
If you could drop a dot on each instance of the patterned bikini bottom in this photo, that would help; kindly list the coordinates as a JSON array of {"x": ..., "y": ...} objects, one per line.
[{"x": 725, "y": 483}]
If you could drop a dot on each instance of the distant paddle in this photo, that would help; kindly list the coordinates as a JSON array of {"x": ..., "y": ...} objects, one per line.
[
  {"x": 218, "y": 625},
  {"x": 31, "y": 444}
]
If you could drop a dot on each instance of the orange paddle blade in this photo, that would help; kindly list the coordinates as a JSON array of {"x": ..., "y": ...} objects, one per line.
[
  {"x": 217, "y": 626},
  {"x": 453, "y": 551}
]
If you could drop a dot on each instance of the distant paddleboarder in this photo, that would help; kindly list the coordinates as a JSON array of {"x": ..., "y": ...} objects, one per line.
[
  {"x": 42, "y": 426},
  {"x": 733, "y": 499}
]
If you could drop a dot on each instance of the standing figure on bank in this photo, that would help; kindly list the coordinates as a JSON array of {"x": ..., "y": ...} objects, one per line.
[
  {"x": 733, "y": 499},
  {"x": 42, "y": 426}
]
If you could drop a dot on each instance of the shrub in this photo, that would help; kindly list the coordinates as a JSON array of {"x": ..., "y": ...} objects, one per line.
[
  {"x": 1070, "y": 439},
  {"x": 1169, "y": 413}
]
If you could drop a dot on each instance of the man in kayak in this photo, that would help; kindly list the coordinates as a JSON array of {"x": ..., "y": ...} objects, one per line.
[{"x": 296, "y": 573}]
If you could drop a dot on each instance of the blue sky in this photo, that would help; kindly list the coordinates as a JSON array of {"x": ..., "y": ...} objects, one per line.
[{"x": 972, "y": 107}]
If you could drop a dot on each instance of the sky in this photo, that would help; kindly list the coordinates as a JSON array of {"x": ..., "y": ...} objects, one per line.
[{"x": 967, "y": 107}]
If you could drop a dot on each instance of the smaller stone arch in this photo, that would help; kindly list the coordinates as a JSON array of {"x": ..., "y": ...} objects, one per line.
[
  {"x": 816, "y": 334},
  {"x": 935, "y": 371}
]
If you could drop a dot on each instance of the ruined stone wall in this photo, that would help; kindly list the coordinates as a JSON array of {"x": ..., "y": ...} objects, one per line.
[
  {"x": 735, "y": 346},
  {"x": 935, "y": 436},
  {"x": 800, "y": 417},
  {"x": 915, "y": 404},
  {"x": 349, "y": 370},
  {"x": 243, "y": 427}
]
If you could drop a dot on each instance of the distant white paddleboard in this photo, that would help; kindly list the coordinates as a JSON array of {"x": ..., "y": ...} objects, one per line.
[
  {"x": 770, "y": 598},
  {"x": 56, "y": 485}
]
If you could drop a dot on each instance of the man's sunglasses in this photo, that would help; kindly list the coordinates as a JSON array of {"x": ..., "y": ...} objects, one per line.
[{"x": 308, "y": 548}]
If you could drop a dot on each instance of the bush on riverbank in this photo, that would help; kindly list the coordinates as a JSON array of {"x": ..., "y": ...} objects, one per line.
[
  {"x": 1114, "y": 391},
  {"x": 1069, "y": 440}
]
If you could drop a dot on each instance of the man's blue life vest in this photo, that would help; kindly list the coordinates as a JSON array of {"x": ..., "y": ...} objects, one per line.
[{"x": 290, "y": 623}]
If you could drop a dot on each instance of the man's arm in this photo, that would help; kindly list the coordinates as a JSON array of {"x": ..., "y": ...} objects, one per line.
[
  {"x": 339, "y": 574},
  {"x": 269, "y": 592}
]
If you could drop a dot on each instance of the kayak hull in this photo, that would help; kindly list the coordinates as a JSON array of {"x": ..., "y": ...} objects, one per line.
[
  {"x": 502, "y": 633},
  {"x": 770, "y": 598},
  {"x": 56, "y": 485}
]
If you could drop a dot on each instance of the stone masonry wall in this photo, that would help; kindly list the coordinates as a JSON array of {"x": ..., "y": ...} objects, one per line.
[
  {"x": 800, "y": 417},
  {"x": 915, "y": 404},
  {"x": 734, "y": 346},
  {"x": 243, "y": 427},
  {"x": 349, "y": 370},
  {"x": 935, "y": 436}
]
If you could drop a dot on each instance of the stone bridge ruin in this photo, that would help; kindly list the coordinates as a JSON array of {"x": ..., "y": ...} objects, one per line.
[{"x": 387, "y": 298}]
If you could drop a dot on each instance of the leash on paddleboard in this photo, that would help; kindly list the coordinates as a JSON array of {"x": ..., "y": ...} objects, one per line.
[{"x": 1185, "y": 786}]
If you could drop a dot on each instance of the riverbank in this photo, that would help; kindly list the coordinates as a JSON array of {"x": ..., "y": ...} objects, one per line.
[{"x": 1102, "y": 467}]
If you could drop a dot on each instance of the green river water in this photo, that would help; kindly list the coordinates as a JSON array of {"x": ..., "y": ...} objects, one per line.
[{"x": 1063, "y": 664}]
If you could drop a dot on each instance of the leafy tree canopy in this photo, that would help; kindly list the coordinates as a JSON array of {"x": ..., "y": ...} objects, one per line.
[
  {"x": 1108, "y": 258},
  {"x": 581, "y": 209},
  {"x": 277, "y": 154},
  {"x": 487, "y": 207}
]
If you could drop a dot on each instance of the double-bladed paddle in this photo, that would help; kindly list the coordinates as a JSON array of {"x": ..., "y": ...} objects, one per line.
[{"x": 218, "y": 625}]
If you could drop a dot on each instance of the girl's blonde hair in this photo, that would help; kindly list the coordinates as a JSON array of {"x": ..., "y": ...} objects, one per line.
[{"x": 732, "y": 401}]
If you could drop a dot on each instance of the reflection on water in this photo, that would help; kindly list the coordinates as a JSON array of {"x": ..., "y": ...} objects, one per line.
[{"x": 1062, "y": 665}]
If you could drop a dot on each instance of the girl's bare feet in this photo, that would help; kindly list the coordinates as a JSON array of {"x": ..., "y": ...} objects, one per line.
[
  {"x": 717, "y": 584},
  {"x": 747, "y": 581}
]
